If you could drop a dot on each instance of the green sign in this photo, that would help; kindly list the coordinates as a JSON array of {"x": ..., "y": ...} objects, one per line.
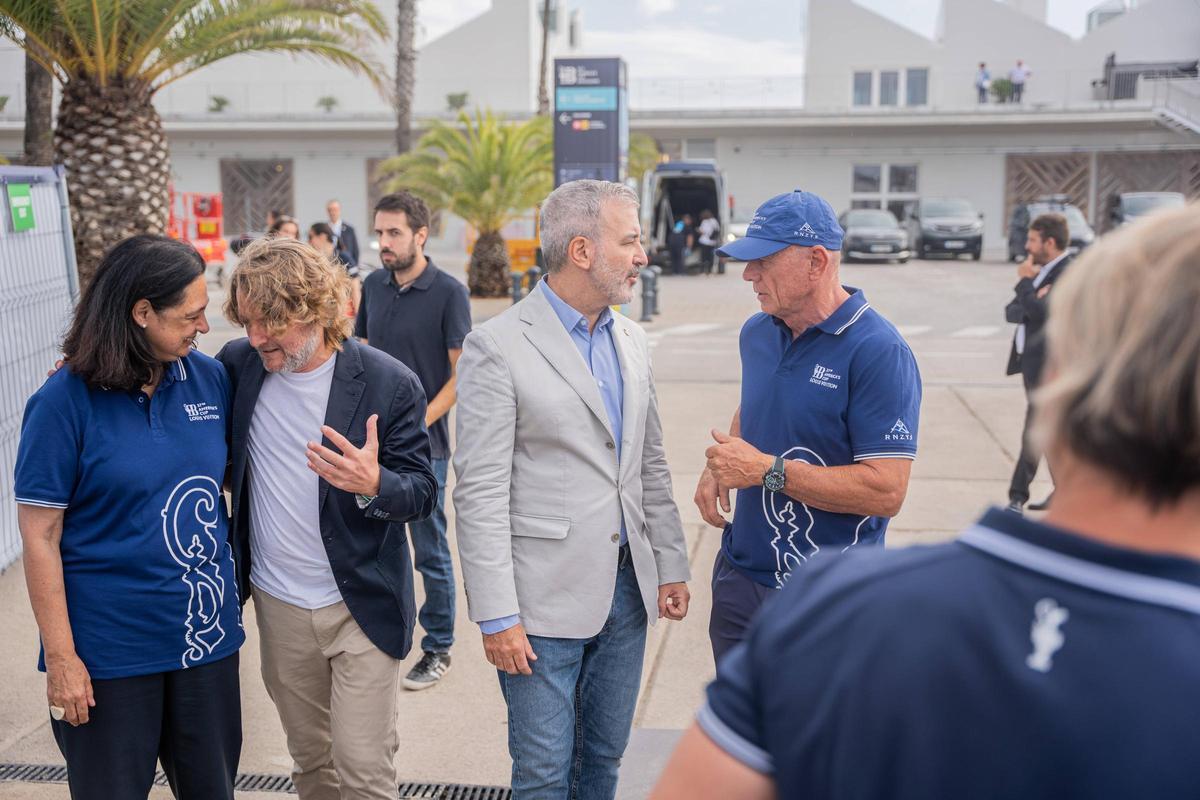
[{"x": 20, "y": 202}]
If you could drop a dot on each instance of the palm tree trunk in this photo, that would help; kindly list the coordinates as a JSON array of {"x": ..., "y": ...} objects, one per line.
[
  {"x": 406, "y": 69},
  {"x": 543, "y": 90},
  {"x": 488, "y": 272},
  {"x": 39, "y": 102},
  {"x": 112, "y": 143}
]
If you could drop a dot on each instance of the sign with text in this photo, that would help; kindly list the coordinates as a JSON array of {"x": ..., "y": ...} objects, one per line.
[
  {"x": 591, "y": 119},
  {"x": 20, "y": 204}
]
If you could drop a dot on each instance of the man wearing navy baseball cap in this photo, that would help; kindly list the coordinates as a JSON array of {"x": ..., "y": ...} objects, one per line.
[{"x": 821, "y": 446}]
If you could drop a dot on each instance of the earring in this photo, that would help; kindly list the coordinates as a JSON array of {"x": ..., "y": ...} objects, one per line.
[{"x": 143, "y": 325}]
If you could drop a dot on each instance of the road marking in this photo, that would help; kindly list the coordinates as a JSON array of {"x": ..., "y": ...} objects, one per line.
[
  {"x": 690, "y": 329},
  {"x": 913, "y": 330},
  {"x": 976, "y": 332}
]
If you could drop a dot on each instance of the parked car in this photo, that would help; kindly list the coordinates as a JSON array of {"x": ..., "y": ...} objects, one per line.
[
  {"x": 1018, "y": 226},
  {"x": 947, "y": 225},
  {"x": 1128, "y": 206},
  {"x": 873, "y": 234}
]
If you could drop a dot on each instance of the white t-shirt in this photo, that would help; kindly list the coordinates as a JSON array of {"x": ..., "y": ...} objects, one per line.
[
  {"x": 1019, "y": 74},
  {"x": 288, "y": 558},
  {"x": 708, "y": 231}
]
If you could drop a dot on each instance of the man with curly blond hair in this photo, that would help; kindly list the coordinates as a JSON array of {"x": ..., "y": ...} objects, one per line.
[{"x": 330, "y": 459}]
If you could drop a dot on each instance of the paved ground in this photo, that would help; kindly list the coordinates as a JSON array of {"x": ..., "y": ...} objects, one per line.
[{"x": 952, "y": 314}]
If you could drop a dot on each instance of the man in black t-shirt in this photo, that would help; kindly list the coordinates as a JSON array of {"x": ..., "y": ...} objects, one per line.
[{"x": 418, "y": 314}]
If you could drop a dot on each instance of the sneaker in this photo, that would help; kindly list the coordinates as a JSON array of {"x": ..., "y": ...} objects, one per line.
[
  {"x": 1042, "y": 505},
  {"x": 428, "y": 671}
]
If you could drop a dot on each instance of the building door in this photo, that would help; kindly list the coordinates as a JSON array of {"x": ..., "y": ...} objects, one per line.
[
  {"x": 1143, "y": 172},
  {"x": 1031, "y": 177},
  {"x": 251, "y": 188}
]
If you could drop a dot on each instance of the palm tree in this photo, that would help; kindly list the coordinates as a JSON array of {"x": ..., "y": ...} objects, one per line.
[
  {"x": 39, "y": 100},
  {"x": 543, "y": 90},
  {"x": 643, "y": 156},
  {"x": 111, "y": 56},
  {"x": 485, "y": 170},
  {"x": 406, "y": 71}
]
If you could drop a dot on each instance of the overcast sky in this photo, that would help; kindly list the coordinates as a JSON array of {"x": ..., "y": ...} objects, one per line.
[{"x": 714, "y": 39}]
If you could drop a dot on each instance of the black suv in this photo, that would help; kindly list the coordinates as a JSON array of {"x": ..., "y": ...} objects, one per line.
[
  {"x": 948, "y": 225},
  {"x": 1018, "y": 225}
]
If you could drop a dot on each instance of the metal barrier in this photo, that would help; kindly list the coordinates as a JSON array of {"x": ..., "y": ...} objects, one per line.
[
  {"x": 524, "y": 282},
  {"x": 38, "y": 289}
]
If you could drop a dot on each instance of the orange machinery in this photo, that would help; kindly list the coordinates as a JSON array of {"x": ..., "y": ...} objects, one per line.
[{"x": 196, "y": 218}]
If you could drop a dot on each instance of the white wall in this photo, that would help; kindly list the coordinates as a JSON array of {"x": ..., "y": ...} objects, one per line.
[{"x": 844, "y": 37}]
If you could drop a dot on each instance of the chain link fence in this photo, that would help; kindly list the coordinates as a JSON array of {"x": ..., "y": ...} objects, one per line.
[{"x": 38, "y": 289}]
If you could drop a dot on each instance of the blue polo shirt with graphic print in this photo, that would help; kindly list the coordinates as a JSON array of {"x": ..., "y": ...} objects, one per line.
[{"x": 845, "y": 390}]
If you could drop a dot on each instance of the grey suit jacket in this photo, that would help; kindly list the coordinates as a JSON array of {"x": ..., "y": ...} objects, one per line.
[{"x": 540, "y": 494}]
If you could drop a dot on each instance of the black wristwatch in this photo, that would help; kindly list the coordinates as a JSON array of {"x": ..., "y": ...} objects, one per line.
[{"x": 776, "y": 477}]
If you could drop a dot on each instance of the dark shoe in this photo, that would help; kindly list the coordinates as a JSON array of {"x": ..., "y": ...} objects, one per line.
[
  {"x": 428, "y": 671},
  {"x": 1015, "y": 507},
  {"x": 1043, "y": 504}
]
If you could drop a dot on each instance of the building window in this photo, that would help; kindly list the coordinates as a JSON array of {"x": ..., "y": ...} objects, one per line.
[
  {"x": 917, "y": 87},
  {"x": 862, "y": 88},
  {"x": 701, "y": 148},
  {"x": 867, "y": 178},
  {"x": 898, "y": 193},
  {"x": 889, "y": 88}
]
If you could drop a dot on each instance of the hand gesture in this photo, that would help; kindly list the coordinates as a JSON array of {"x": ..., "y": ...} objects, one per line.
[
  {"x": 509, "y": 650},
  {"x": 353, "y": 470},
  {"x": 1027, "y": 269},
  {"x": 69, "y": 687},
  {"x": 708, "y": 494},
  {"x": 735, "y": 463},
  {"x": 673, "y": 601}
]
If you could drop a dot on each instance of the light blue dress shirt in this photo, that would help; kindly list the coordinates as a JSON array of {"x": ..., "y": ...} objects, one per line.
[{"x": 599, "y": 353}]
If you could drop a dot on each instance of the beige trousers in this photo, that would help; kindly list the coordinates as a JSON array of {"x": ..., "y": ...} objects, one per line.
[{"x": 336, "y": 697}]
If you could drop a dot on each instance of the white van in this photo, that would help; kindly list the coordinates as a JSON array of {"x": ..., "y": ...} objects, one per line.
[{"x": 675, "y": 188}]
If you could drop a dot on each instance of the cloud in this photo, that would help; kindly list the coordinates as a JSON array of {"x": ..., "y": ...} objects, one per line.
[{"x": 687, "y": 52}]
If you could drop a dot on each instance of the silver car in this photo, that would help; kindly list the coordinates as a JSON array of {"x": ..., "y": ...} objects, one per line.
[{"x": 873, "y": 234}]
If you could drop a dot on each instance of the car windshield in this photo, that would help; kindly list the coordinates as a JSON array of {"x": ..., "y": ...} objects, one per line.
[
  {"x": 1137, "y": 205},
  {"x": 948, "y": 208},
  {"x": 870, "y": 218},
  {"x": 1075, "y": 219}
]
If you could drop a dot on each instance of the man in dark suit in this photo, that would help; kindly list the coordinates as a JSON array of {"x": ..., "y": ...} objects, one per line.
[
  {"x": 320, "y": 544},
  {"x": 1046, "y": 260},
  {"x": 344, "y": 238}
]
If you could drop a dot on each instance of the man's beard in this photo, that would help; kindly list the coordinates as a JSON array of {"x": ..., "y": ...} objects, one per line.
[
  {"x": 401, "y": 264},
  {"x": 610, "y": 283},
  {"x": 296, "y": 361}
]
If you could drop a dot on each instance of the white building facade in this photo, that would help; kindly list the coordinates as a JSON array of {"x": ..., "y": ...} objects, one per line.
[{"x": 888, "y": 115}]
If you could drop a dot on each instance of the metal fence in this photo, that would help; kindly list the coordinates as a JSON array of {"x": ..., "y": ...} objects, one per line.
[{"x": 38, "y": 287}]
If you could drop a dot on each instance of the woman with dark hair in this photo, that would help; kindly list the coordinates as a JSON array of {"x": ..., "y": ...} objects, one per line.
[
  {"x": 284, "y": 227},
  {"x": 320, "y": 236},
  {"x": 130, "y": 574}
]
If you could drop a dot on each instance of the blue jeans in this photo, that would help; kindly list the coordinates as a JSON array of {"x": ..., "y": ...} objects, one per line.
[
  {"x": 568, "y": 722},
  {"x": 431, "y": 557}
]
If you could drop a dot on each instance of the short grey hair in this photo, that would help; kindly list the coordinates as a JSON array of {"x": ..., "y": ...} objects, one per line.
[
  {"x": 573, "y": 209},
  {"x": 1122, "y": 388}
]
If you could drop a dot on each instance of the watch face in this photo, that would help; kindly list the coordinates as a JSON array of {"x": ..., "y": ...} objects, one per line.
[{"x": 773, "y": 481}]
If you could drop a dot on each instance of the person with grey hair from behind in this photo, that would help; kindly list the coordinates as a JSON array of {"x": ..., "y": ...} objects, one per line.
[
  {"x": 1069, "y": 645},
  {"x": 569, "y": 537}
]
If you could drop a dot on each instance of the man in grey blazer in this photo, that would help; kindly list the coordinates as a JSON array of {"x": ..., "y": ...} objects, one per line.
[{"x": 568, "y": 533}]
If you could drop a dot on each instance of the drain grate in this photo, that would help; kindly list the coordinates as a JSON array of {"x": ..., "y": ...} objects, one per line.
[{"x": 262, "y": 782}]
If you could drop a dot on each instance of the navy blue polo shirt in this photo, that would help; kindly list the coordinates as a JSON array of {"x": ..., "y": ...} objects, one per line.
[
  {"x": 1019, "y": 661},
  {"x": 147, "y": 565},
  {"x": 417, "y": 326},
  {"x": 845, "y": 390}
]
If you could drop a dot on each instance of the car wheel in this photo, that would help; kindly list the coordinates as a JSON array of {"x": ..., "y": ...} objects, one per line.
[
  {"x": 977, "y": 254},
  {"x": 904, "y": 260}
]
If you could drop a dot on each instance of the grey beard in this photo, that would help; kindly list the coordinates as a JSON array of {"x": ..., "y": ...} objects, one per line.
[{"x": 297, "y": 360}]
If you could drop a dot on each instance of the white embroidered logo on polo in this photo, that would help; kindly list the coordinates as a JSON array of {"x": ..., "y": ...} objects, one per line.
[
  {"x": 1046, "y": 634},
  {"x": 898, "y": 433},
  {"x": 201, "y": 412},
  {"x": 806, "y": 230},
  {"x": 824, "y": 376}
]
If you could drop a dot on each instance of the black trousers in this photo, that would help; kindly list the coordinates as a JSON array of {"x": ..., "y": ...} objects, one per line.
[
  {"x": 189, "y": 719},
  {"x": 707, "y": 257},
  {"x": 1030, "y": 457},
  {"x": 735, "y": 603}
]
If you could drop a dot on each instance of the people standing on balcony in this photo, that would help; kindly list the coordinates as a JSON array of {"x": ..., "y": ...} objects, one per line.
[
  {"x": 983, "y": 82},
  {"x": 1017, "y": 76}
]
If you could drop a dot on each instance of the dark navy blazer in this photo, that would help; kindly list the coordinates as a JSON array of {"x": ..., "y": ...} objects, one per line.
[{"x": 367, "y": 548}]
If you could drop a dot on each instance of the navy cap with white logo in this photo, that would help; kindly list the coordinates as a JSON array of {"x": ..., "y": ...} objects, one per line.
[{"x": 799, "y": 218}]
